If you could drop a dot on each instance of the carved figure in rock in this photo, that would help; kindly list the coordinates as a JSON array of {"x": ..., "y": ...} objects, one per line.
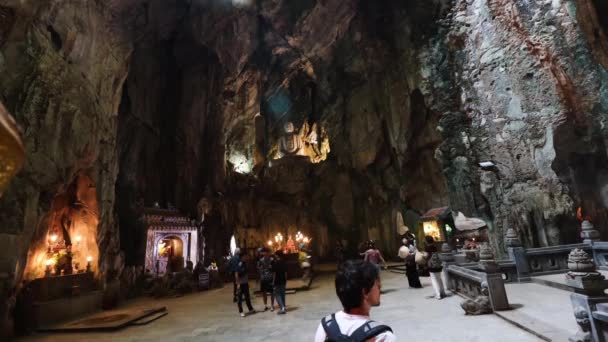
[
  {"x": 317, "y": 146},
  {"x": 290, "y": 143},
  {"x": 480, "y": 305},
  {"x": 325, "y": 149}
]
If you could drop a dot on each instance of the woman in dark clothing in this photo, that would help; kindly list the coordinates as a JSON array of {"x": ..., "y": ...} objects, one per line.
[
  {"x": 429, "y": 247},
  {"x": 434, "y": 267},
  {"x": 411, "y": 269}
]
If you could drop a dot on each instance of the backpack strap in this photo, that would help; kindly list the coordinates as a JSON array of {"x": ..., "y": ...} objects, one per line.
[
  {"x": 368, "y": 330},
  {"x": 332, "y": 329}
]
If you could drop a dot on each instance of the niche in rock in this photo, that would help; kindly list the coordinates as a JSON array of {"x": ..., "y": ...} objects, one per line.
[
  {"x": 67, "y": 237},
  {"x": 581, "y": 162}
]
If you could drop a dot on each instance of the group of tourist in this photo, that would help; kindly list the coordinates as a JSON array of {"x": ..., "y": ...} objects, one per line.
[
  {"x": 358, "y": 287},
  {"x": 426, "y": 262},
  {"x": 272, "y": 270},
  {"x": 357, "y": 283}
]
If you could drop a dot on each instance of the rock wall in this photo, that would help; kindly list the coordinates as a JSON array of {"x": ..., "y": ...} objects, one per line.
[
  {"x": 337, "y": 64},
  {"x": 527, "y": 91},
  {"x": 63, "y": 66},
  {"x": 413, "y": 96}
]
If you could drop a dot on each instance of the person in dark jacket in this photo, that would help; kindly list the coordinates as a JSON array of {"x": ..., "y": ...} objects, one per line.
[
  {"x": 241, "y": 277},
  {"x": 279, "y": 268},
  {"x": 411, "y": 269},
  {"x": 233, "y": 268}
]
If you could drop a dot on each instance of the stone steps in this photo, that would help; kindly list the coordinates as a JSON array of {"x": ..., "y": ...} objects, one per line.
[{"x": 111, "y": 320}]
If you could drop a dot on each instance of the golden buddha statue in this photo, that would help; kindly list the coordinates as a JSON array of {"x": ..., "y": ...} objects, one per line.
[{"x": 12, "y": 152}]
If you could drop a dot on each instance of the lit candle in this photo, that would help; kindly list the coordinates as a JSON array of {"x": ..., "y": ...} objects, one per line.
[
  {"x": 269, "y": 242},
  {"x": 53, "y": 237},
  {"x": 78, "y": 239}
]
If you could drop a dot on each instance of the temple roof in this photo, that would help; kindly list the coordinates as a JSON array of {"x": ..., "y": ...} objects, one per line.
[{"x": 436, "y": 213}]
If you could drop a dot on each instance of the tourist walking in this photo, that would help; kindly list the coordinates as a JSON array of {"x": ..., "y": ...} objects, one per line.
[
  {"x": 373, "y": 255},
  {"x": 411, "y": 268},
  {"x": 242, "y": 280},
  {"x": 304, "y": 259},
  {"x": 279, "y": 269},
  {"x": 435, "y": 268},
  {"x": 358, "y": 288},
  {"x": 265, "y": 272},
  {"x": 232, "y": 269}
]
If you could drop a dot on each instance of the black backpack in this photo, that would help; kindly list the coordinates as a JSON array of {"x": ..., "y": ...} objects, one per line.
[{"x": 368, "y": 330}]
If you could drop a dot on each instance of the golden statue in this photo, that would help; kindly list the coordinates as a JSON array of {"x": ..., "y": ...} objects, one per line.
[{"x": 12, "y": 153}]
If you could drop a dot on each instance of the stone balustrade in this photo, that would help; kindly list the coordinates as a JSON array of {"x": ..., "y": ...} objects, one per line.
[
  {"x": 589, "y": 300},
  {"x": 551, "y": 260},
  {"x": 600, "y": 254},
  {"x": 470, "y": 284}
]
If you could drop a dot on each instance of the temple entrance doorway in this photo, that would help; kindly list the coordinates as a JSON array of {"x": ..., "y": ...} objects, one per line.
[
  {"x": 171, "y": 253},
  {"x": 172, "y": 240}
]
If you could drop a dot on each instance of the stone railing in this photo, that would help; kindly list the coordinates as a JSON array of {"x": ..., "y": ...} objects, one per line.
[
  {"x": 507, "y": 268},
  {"x": 600, "y": 254},
  {"x": 554, "y": 259},
  {"x": 589, "y": 300},
  {"x": 470, "y": 283},
  {"x": 551, "y": 260}
]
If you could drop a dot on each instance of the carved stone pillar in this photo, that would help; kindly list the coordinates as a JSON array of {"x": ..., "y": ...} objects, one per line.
[
  {"x": 447, "y": 258},
  {"x": 512, "y": 239},
  {"x": 518, "y": 254},
  {"x": 589, "y": 286},
  {"x": 486, "y": 259},
  {"x": 588, "y": 233}
]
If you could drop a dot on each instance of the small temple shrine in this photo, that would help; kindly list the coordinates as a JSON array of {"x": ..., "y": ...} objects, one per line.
[{"x": 172, "y": 240}]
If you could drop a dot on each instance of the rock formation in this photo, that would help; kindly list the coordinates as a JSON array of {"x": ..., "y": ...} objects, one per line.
[{"x": 155, "y": 101}]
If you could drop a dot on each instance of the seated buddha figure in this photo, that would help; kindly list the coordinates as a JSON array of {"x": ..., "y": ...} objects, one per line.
[{"x": 290, "y": 143}]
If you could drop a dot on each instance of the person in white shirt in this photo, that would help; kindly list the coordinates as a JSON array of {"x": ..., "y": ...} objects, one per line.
[{"x": 358, "y": 288}]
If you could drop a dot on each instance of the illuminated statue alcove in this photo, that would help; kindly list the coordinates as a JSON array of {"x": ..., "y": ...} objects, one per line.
[
  {"x": 312, "y": 142},
  {"x": 68, "y": 242}
]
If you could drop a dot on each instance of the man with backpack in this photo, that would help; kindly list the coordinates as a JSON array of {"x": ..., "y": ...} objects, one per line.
[
  {"x": 266, "y": 276},
  {"x": 358, "y": 288}
]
